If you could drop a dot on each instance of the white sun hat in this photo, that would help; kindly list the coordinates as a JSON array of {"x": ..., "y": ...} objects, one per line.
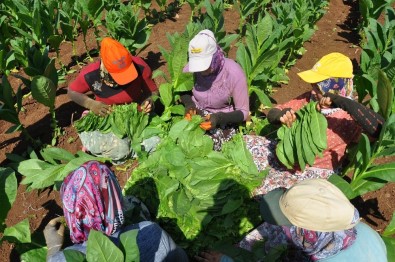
[{"x": 201, "y": 50}]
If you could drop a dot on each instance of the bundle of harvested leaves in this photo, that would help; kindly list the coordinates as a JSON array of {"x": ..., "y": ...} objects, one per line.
[
  {"x": 123, "y": 121},
  {"x": 198, "y": 195},
  {"x": 304, "y": 140}
]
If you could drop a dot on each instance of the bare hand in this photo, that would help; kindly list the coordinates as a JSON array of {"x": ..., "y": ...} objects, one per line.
[
  {"x": 192, "y": 112},
  {"x": 54, "y": 234},
  {"x": 209, "y": 256},
  {"x": 146, "y": 106},
  {"x": 324, "y": 102},
  {"x": 100, "y": 109},
  {"x": 288, "y": 118}
]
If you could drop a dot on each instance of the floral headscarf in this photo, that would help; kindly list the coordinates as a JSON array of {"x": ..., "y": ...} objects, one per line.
[
  {"x": 336, "y": 85},
  {"x": 216, "y": 65},
  {"x": 92, "y": 199},
  {"x": 320, "y": 245}
]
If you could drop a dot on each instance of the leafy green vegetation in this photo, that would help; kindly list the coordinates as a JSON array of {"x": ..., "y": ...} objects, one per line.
[
  {"x": 306, "y": 139},
  {"x": 198, "y": 195},
  {"x": 50, "y": 167},
  {"x": 204, "y": 193}
]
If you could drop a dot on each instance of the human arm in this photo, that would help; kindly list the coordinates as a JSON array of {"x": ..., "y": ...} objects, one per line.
[
  {"x": 149, "y": 87},
  {"x": 54, "y": 236},
  {"x": 285, "y": 116},
  {"x": 285, "y": 113},
  {"x": 97, "y": 107},
  {"x": 370, "y": 121},
  {"x": 190, "y": 106},
  {"x": 218, "y": 119}
]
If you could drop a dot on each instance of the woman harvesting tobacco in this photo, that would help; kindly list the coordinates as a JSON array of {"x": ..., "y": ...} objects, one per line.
[
  {"x": 92, "y": 200},
  {"x": 118, "y": 78},
  {"x": 220, "y": 91},
  {"x": 332, "y": 87}
]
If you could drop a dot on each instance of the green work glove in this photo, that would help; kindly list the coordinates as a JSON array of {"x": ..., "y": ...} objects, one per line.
[{"x": 54, "y": 235}]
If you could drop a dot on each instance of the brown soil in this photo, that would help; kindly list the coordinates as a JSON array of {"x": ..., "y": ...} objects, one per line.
[{"x": 336, "y": 33}]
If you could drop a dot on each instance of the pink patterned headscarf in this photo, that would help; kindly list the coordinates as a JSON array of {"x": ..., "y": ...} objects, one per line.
[
  {"x": 216, "y": 66},
  {"x": 92, "y": 199}
]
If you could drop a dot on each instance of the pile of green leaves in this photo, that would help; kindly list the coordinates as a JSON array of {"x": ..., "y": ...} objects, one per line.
[
  {"x": 304, "y": 140},
  {"x": 200, "y": 196},
  {"x": 123, "y": 121}
]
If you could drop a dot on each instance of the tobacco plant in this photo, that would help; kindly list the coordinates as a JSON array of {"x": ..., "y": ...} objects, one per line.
[
  {"x": 389, "y": 240},
  {"x": 246, "y": 9},
  {"x": 189, "y": 186},
  {"x": 176, "y": 59},
  {"x": 94, "y": 9},
  {"x": 366, "y": 174},
  {"x": 371, "y": 10},
  {"x": 125, "y": 26},
  {"x": 378, "y": 53},
  {"x": 34, "y": 20},
  {"x": 19, "y": 233},
  {"x": 299, "y": 18},
  {"x": 260, "y": 55},
  {"x": 10, "y": 106},
  {"x": 49, "y": 167},
  {"x": 214, "y": 20}
]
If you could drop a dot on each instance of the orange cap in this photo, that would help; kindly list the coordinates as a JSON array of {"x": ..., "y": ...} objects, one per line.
[{"x": 118, "y": 61}]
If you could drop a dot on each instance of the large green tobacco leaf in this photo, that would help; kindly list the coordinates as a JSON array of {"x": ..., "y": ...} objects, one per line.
[
  {"x": 20, "y": 233},
  {"x": 166, "y": 94},
  {"x": 343, "y": 185},
  {"x": 129, "y": 246},
  {"x": 390, "y": 229},
  {"x": 200, "y": 192},
  {"x": 44, "y": 91},
  {"x": 41, "y": 174},
  {"x": 74, "y": 255},
  {"x": 101, "y": 248},
  {"x": 385, "y": 94},
  {"x": 8, "y": 190},
  {"x": 390, "y": 244},
  {"x": 44, "y": 178},
  {"x": 51, "y": 154}
]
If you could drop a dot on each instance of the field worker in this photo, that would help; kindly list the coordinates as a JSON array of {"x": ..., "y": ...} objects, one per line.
[
  {"x": 220, "y": 92},
  {"x": 92, "y": 199},
  {"x": 332, "y": 86},
  {"x": 316, "y": 220},
  {"x": 117, "y": 78}
]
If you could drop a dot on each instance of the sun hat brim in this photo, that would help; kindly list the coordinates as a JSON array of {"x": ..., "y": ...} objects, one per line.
[
  {"x": 199, "y": 64},
  {"x": 126, "y": 76},
  {"x": 270, "y": 208}
]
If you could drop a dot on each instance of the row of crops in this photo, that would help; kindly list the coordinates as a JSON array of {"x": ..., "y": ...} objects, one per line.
[{"x": 202, "y": 193}]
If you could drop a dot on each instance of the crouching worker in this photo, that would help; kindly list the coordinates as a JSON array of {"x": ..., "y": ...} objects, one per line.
[
  {"x": 92, "y": 199},
  {"x": 315, "y": 217},
  {"x": 117, "y": 78},
  {"x": 317, "y": 222}
]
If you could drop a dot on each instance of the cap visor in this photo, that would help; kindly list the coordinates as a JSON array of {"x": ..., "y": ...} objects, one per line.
[
  {"x": 199, "y": 64},
  {"x": 270, "y": 208},
  {"x": 125, "y": 76},
  {"x": 312, "y": 77}
]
